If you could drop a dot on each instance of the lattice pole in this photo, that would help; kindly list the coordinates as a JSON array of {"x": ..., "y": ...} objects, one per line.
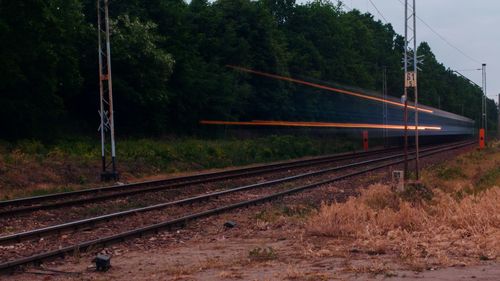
[
  {"x": 484, "y": 118},
  {"x": 107, "y": 126},
  {"x": 498, "y": 121},
  {"x": 415, "y": 92},
  {"x": 411, "y": 61},
  {"x": 405, "y": 95},
  {"x": 384, "y": 106}
]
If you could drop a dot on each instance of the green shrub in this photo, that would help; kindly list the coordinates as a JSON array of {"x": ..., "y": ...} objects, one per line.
[{"x": 449, "y": 173}]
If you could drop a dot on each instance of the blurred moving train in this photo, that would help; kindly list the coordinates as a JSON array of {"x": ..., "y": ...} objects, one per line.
[{"x": 353, "y": 110}]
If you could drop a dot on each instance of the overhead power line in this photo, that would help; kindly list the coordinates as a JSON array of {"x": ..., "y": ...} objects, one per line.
[
  {"x": 344, "y": 4},
  {"x": 444, "y": 39},
  {"x": 378, "y": 11},
  {"x": 469, "y": 69}
]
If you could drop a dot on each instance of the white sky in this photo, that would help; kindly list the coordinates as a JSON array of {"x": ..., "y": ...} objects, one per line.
[{"x": 471, "y": 26}]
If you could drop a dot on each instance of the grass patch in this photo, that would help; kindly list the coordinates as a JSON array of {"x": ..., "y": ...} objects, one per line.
[
  {"x": 450, "y": 218},
  {"x": 271, "y": 215},
  {"x": 30, "y": 165},
  {"x": 422, "y": 233},
  {"x": 449, "y": 173},
  {"x": 51, "y": 190},
  {"x": 416, "y": 193},
  {"x": 262, "y": 254},
  {"x": 489, "y": 179}
]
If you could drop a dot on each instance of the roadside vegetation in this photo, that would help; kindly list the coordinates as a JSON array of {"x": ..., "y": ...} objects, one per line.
[
  {"x": 455, "y": 221},
  {"x": 34, "y": 168}
]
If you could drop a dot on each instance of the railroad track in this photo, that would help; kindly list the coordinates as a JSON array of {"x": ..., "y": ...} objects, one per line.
[
  {"x": 85, "y": 196},
  {"x": 229, "y": 203}
]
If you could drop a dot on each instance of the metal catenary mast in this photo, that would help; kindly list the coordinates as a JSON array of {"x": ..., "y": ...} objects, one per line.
[
  {"x": 384, "y": 106},
  {"x": 411, "y": 61},
  {"x": 107, "y": 126},
  {"x": 498, "y": 122},
  {"x": 484, "y": 120}
]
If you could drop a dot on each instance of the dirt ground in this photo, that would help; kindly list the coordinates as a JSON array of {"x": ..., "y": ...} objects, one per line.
[
  {"x": 227, "y": 259},
  {"x": 269, "y": 242},
  {"x": 226, "y": 254}
]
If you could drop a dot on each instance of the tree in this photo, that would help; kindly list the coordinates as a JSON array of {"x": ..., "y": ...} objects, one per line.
[{"x": 39, "y": 61}]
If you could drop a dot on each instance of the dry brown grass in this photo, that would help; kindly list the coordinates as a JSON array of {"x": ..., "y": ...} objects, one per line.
[
  {"x": 373, "y": 268},
  {"x": 230, "y": 275},
  {"x": 439, "y": 232},
  {"x": 294, "y": 273},
  {"x": 446, "y": 230}
]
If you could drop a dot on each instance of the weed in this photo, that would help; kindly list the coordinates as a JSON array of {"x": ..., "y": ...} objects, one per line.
[
  {"x": 266, "y": 216},
  {"x": 416, "y": 193},
  {"x": 300, "y": 211},
  {"x": 489, "y": 179},
  {"x": 262, "y": 254},
  {"x": 379, "y": 197},
  {"x": 230, "y": 275},
  {"x": 449, "y": 173},
  {"x": 45, "y": 191}
]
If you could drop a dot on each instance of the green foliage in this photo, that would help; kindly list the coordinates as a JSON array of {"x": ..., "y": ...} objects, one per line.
[
  {"x": 180, "y": 154},
  {"x": 449, "y": 172},
  {"x": 416, "y": 193},
  {"x": 489, "y": 179},
  {"x": 39, "y": 192},
  {"x": 141, "y": 71},
  {"x": 169, "y": 65}
]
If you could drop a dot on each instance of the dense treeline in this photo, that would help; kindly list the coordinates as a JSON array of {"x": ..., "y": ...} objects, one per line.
[{"x": 170, "y": 57}]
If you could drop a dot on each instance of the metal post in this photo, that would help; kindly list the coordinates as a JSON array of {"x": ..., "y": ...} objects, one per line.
[
  {"x": 485, "y": 105},
  {"x": 498, "y": 123},
  {"x": 415, "y": 65},
  {"x": 483, "y": 99},
  {"x": 107, "y": 126},
  {"x": 406, "y": 95},
  {"x": 384, "y": 107},
  {"x": 411, "y": 81}
]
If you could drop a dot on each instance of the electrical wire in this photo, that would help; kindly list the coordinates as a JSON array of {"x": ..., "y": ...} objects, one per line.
[
  {"x": 470, "y": 69},
  {"x": 378, "y": 11},
  {"x": 443, "y": 38},
  {"x": 344, "y": 4}
]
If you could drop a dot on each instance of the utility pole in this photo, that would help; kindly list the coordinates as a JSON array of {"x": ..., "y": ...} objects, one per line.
[
  {"x": 384, "y": 106},
  {"x": 107, "y": 126},
  {"x": 484, "y": 120},
  {"x": 404, "y": 99},
  {"x": 411, "y": 82},
  {"x": 498, "y": 121},
  {"x": 415, "y": 92}
]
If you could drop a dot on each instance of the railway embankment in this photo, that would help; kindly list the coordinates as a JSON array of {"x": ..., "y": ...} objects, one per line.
[
  {"x": 380, "y": 231},
  {"x": 30, "y": 167}
]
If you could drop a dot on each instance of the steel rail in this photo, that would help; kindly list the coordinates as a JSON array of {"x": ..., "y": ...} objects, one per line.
[
  {"x": 155, "y": 228},
  {"x": 18, "y": 237},
  {"x": 101, "y": 197},
  {"x": 193, "y": 179}
]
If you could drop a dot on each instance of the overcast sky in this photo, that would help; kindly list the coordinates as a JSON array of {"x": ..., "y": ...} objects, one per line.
[{"x": 471, "y": 26}]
